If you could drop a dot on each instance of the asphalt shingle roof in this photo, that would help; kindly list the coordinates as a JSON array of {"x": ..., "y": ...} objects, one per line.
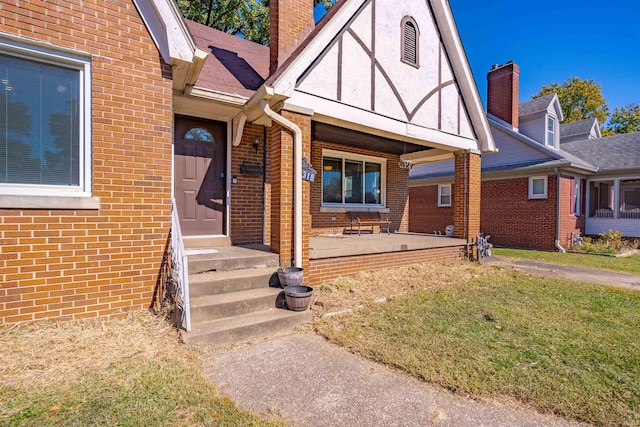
[
  {"x": 235, "y": 66},
  {"x": 618, "y": 152},
  {"x": 535, "y": 105},
  {"x": 582, "y": 127}
]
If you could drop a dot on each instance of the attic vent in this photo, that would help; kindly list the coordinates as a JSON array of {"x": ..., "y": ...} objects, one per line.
[{"x": 410, "y": 36}]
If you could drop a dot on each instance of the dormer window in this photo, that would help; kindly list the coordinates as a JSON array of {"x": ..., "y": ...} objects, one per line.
[
  {"x": 551, "y": 132},
  {"x": 410, "y": 37}
]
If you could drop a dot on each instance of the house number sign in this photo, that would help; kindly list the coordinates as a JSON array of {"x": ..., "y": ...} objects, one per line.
[{"x": 308, "y": 173}]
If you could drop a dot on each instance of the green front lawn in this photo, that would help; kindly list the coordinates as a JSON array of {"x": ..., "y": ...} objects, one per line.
[
  {"x": 630, "y": 265},
  {"x": 561, "y": 346}
]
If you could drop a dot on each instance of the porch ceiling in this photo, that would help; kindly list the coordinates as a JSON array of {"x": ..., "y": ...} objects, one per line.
[{"x": 329, "y": 133}]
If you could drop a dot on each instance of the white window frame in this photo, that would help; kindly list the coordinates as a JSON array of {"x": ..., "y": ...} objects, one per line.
[
  {"x": 56, "y": 196},
  {"x": 546, "y": 187},
  {"x": 551, "y": 134},
  {"x": 440, "y": 188},
  {"x": 357, "y": 157}
]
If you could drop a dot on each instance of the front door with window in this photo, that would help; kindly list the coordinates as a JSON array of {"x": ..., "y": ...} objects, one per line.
[{"x": 199, "y": 181}]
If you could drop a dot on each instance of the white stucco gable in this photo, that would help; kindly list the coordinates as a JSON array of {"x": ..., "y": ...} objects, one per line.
[{"x": 351, "y": 75}]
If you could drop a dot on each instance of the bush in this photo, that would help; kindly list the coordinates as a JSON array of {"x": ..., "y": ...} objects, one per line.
[{"x": 609, "y": 243}]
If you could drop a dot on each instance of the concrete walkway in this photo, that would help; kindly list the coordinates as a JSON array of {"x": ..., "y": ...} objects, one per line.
[
  {"x": 591, "y": 275},
  {"x": 308, "y": 381}
]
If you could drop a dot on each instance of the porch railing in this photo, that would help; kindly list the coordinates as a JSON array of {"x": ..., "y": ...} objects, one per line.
[{"x": 180, "y": 270}]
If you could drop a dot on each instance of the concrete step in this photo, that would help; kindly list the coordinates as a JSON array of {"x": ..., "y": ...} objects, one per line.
[
  {"x": 232, "y": 258},
  {"x": 215, "y": 283},
  {"x": 197, "y": 242},
  {"x": 265, "y": 323},
  {"x": 212, "y": 307}
]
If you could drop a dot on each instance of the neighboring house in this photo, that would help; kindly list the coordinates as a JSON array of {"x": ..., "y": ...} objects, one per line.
[
  {"x": 536, "y": 188},
  {"x": 113, "y": 109},
  {"x": 613, "y": 193}
]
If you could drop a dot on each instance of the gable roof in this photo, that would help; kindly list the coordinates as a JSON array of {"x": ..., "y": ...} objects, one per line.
[
  {"x": 609, "y": 154},
  {"x": 579, "y": 130},
  {"x": 282, "y": 84},
  {"x": 234, "y": 66},
  {"x": 550, "y": 158},
  {"x": 540, "y": 105}
]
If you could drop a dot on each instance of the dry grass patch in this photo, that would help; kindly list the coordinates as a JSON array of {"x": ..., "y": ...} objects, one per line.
[
  {"x": 132, "y": 371},
  {"x": 345, "y": 293}
]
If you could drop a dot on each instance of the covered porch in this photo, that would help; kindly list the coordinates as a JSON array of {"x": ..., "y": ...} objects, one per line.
[{"x": 331, "y": 256}]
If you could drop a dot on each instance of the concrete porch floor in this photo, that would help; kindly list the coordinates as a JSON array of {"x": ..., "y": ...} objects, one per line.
[{"x": 351, "y": 245}]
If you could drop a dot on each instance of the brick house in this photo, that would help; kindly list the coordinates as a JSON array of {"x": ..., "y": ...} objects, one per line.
[
  {"x": 545, "y": 184},
  {"x": 136, "y": 107}
]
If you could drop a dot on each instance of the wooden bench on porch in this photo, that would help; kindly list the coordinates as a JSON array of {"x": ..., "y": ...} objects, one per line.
[{"x": 367, "y": 219}]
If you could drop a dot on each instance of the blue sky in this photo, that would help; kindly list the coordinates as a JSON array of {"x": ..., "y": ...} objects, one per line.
[{"x": 552, "y": 41}]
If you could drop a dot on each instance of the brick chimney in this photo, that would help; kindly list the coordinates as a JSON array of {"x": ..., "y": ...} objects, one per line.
[
  {"x": 503, "y": 84},
  {"x": 290, "y": 22}
]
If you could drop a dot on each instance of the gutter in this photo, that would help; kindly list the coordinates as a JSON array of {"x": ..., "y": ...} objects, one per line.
[
  {"x": 557, "y": 242},
  {"x": 297, "y": 174}
]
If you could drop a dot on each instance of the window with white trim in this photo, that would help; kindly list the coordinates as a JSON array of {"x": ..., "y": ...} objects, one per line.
[
  {"x": 538, "y": 187},
  {"x": 444, "y": 195},
  {"x": 351, "y": 180},
  {"x": 410, "y": 41},
  {"x": 551, "y": 131},
  {"x": 45, "y": 140}
]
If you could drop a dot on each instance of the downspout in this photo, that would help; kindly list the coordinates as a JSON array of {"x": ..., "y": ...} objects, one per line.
[
  {"x": 466, "y": 197},
  {"x": 297, "y": 174},
  {"x": 558, "y": 246},
  {"x": 264, "y": 185}
]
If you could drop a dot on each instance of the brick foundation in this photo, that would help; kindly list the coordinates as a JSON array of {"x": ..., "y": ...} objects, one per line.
[{"x": 322, "y": 270}]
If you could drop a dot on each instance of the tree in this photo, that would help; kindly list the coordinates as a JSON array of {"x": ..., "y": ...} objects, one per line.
[
  {"x": 245, "y": 18},
  {"x": 579, "y": 99},
  {"x": 625, "y": 119},
  {"x": 248, "y": 18}
]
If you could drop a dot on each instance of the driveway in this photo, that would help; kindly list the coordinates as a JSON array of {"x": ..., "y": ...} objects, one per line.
[{"x": 584, "y": 274}]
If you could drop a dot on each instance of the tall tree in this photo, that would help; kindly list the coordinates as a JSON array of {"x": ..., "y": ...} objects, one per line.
[
  {"x": 580, "y": 99},
  {"x": 245, "y": 18},
  {"x": 625, "y": 119}
]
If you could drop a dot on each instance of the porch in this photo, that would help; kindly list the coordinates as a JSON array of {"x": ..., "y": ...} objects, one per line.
[{"x": 331, "y": 256}]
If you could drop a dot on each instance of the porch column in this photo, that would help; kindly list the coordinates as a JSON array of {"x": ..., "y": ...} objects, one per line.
[
  {"x": 466, "y": 195},
  {"x": 281, "y": 177}
]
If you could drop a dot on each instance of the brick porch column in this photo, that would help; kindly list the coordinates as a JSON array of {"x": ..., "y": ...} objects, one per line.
[
  {"x": 282, "y": 188},
  {"x": 466, "y": 195}
]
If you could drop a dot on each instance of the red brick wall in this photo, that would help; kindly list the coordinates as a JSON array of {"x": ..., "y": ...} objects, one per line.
[
  {"x": 281, "y": 189},
  {"x": 297, "y": 17},
  {"x": 507, "y": 214},
  {"x": 503, "y": 86},
  {"x": 513, "y": 220},
  {"x": 247, "y": 198},
  {"x": 466, "y": 208},
  {"x": 70, "y": 264},
  {"x": 569, "y": 223},
  {"x": 425, "y": 216},
  {"x": 397, "y": 192}
]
